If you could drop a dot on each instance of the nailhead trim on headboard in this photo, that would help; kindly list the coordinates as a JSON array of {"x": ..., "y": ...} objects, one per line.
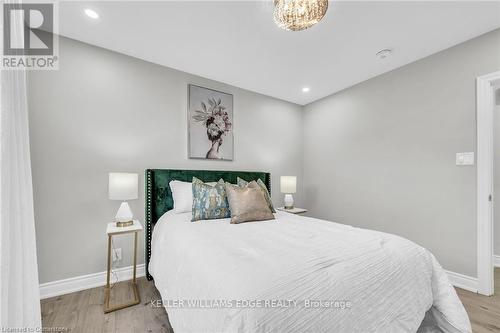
[
  {"x": 149, "y": 229},
  {"x": 158, "y": 194}
]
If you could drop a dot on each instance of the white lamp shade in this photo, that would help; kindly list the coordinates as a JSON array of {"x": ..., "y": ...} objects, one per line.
[
  {"x": 123, "y": 186},
  {"x": 288, "y": 184}
]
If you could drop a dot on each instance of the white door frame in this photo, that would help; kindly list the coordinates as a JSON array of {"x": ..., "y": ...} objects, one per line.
[{"x": 485, "y": 108}]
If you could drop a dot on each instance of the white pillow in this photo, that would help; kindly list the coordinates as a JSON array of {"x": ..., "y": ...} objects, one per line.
[{"x": 182, "y": 193}]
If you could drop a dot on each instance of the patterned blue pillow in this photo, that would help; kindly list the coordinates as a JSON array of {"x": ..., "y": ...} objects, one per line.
[{"x": 209, "y": 202}]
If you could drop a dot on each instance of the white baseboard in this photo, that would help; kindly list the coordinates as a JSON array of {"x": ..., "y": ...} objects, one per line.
[
  {"x": 463, "y": 281},
  {"x": 66, "y": 286},
  {"x": 496, "y": 261}
]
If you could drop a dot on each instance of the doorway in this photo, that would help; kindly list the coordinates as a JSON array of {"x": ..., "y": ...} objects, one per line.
[{"x": 486, "y": 105}]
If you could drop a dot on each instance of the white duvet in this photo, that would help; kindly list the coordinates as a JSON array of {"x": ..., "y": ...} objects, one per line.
[{"x": 298, "y": 274}]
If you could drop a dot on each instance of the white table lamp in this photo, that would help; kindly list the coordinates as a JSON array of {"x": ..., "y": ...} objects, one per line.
[
  {"x": 123, "y": 186},
  {"x": 288, "y": 186}
]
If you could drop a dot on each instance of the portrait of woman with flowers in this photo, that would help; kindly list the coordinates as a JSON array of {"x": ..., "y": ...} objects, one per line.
[{"x": 210, "y": 124}]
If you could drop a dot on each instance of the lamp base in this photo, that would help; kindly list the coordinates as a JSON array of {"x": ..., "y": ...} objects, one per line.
[
  {"x": 124, "y": 224},
  {"x": 124, "y": 216},
  {"x": 288, "y": 201}
]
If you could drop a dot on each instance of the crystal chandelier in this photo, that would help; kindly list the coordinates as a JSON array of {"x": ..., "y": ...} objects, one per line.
[{"x": 298, "y": 15}]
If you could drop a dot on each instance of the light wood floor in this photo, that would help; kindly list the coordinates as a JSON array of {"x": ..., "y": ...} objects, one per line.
[
  {"x": 484, "y": 312},
  {"x": 82, "y": 311}
]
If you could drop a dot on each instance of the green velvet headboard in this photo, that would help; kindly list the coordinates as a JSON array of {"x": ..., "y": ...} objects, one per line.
[{"x": 159, "y": 196}]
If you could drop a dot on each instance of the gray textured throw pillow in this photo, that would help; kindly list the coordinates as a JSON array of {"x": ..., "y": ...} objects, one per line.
[
  {"x": 247, "y": 204},
  {"x": 265, "y": 192}
]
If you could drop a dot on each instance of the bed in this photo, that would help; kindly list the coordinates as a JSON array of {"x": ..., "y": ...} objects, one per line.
[{"x": 291, "y": 274}]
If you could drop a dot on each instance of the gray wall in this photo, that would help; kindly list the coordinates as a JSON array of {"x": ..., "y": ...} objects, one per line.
[
  {"x": 103, "y": 111},
  {"x": 381, "y": 154}
]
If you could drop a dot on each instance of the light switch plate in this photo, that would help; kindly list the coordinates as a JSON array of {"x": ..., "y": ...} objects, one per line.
[{"x": 465, "y": 158}]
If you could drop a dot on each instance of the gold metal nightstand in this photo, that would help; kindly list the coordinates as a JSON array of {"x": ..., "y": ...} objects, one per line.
[
  {"x": 294, "y": 210},
  {"x": 113, "y": 230}
]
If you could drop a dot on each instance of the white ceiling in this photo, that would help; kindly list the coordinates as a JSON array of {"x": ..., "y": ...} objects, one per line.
[{"x": 238, "y": 43}]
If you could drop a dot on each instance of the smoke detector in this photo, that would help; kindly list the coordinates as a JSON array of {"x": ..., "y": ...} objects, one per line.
[{"x": 382, "y": 54}]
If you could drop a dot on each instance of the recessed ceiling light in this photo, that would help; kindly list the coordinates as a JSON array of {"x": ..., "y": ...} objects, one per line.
[
  {"x": 305, "y": 89},
  {"x": 382, "y": 54},
  {"x": 91, "y": 13}
]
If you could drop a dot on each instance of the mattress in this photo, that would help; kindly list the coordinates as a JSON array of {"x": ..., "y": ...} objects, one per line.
[{"x": 298, "y": 274}]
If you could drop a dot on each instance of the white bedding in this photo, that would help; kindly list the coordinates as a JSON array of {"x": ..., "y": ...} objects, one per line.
[{"x": 390, "y": 282}]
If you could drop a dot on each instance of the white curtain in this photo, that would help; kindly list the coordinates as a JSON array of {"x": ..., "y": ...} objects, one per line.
[{"x": 19, "y": 290}]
